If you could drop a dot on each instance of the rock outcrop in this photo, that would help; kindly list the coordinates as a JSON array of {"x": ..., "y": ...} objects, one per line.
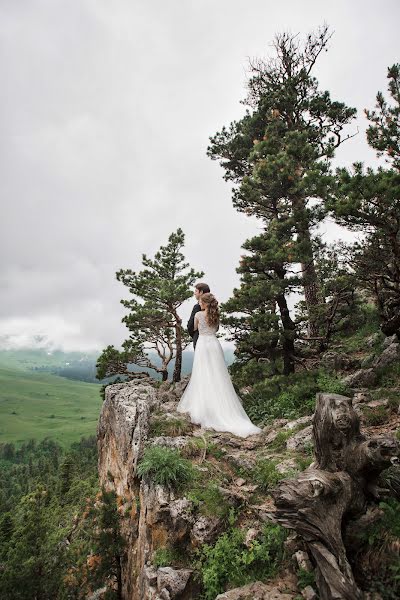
[
  {"x": 140, "y": 414},
  {"x": 155, "y": 517}
]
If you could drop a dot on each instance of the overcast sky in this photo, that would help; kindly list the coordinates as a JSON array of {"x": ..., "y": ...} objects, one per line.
[{"x": 106, "y": 110}]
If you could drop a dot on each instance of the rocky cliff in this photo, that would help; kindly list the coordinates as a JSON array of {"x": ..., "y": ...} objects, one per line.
[
  {"x": 156, "y": 517},
  {"x": 163, "y": 528}
]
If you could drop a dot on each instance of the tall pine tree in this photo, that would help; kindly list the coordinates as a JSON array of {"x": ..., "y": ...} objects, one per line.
[
  {"x": 368, "y": 201},
  {"x": 278, "y": 155}
]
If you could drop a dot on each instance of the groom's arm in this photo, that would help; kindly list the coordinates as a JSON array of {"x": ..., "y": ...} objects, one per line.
[{"x": 190, "y": 324}]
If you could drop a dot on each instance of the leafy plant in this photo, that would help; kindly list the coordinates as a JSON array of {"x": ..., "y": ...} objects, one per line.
[
  {"x": 375, "y": 416},
  {"x": 266, "y": 475},
  {"x": 305, "y": 578},
  {"x": 378, "y": 560},
  {"x": 229, "y": 562},
  {"x": 166, "y": 556},
  {"x": 209, "y": 500}
]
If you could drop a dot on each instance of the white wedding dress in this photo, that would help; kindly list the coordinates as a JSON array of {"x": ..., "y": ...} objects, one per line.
[{"x": 210, "y": 397}]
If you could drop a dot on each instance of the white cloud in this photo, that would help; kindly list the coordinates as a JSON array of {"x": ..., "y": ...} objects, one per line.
[{"x": 106, "y": 113}]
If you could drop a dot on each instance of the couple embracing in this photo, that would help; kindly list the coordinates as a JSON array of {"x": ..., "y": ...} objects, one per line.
[{"x": 210, "y": 397}]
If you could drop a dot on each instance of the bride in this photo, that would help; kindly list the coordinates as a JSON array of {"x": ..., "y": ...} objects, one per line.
[{"x": 210, "y": 397}]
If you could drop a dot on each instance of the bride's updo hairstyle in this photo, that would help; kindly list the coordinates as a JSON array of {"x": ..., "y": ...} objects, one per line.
[{"x": 212, "y": 309}]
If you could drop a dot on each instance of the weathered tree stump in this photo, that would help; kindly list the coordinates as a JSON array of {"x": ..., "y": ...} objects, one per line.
[{"x": 338, "y": 486}]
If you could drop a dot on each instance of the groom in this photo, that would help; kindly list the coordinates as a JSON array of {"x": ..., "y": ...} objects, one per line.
[{"x": 199, "y": 289}]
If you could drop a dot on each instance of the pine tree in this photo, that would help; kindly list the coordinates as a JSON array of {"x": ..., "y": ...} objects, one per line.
[
  {"x": 153, "y": 320},
  {"x": 278, "y": 155},
  {"x": 368, "y": 201},
  {"x": 257, "y": 315},
  {"x": 108, "y": 542}
]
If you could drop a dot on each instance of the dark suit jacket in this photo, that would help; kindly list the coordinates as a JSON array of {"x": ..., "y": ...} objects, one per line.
[{"x": 190, "y": 326}]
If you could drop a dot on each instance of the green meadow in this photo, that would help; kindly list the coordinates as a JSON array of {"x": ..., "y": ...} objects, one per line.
[{"x": 38, "y": 405}]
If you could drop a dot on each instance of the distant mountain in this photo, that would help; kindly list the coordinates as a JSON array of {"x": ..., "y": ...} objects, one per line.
[{"x": 81, "y": 366}]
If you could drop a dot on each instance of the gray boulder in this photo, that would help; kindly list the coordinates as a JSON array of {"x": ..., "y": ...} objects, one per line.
[
  {"x": 174, "y": 581},
  {"x": 390, "y": 355},
  {"x": 301, "y": 440},
  {"x": 361, "y": 378}
]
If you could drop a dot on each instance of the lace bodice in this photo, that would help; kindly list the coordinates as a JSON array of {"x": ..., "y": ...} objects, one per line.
[{"x": 203, "y": 326}]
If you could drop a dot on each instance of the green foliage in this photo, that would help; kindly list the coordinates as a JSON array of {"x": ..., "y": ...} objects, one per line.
[
  {"x": 375, "y": 416},
  {"x": 378, "y": 560},
  {"x": 390, "y": 375},
  {"x": 259, "y": 332},
  {"x": 164, "y": 557},
  {"x": 279, "y": 443},
  {"x": 278, "y": 158},
  {"x": 108, "y": 542},
  {"x": 209, "y": 500},
  {"x": 305, "y": 578},
  {"x": 330, "y": 384},
  {"x": 165, "y": 466},
  {"x": 229, "y": 563},
  {"x": 39, "y": 504},
  {"x": 303, "y": 461},
  {"x": 247, "y": 373},
  {"x": 383, "y": 132},
  {"x": 363, "y": 324},
  {"x": 289, "y": 397},
  {"x": 266, "y": 475},
  {"x": 368, "y": 201},
  {"x": 281, "y": 397}
]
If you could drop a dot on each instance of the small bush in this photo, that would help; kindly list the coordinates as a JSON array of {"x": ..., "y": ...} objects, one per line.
[
  {"x": 165, "y": 466},
  {"x": 303, "y": 461},
  {"x": 375, "y": 416},
  {"x": 378, "y": 561},
  {"x": 164, "y": 557},
  {"x": 329, "y": 384},
  {"x": 289, "y": 397},
  {"x": 362, "y": 325},
  {"x": 390, "y": 376},
  {"x": 209, "y": 500},
  {"x": 266, "y": 475},
  {"x": 305, "y": 578},
  {"x": 279, "y": 443},
  {"x": 229, "y": 563}
]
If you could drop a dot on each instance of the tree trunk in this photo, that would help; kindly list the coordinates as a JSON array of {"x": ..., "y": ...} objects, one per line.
[
  {"x": 178, "y": 344},
  {"x": 312, "y": 292},
  {"x": 289, "y": 328},
  {"x": 338, "y": 486}
]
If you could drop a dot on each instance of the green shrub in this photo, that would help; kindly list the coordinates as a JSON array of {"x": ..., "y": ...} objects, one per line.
[
  {"x": 329, "y": 384},
  {"x": 209, "y": 500},
  {"x": 164, "y": 557},
  {"x": 305, "y": 578},
  {"x": 247, "y": 373},
  {"x": 379, "y": 558},
  {"x": 165, "y": 466},
  {"x": 289, "y": 397},
  {"x": 362, "y": 325},
  {"x": 279, "y": 443},
  {"x": 229, "y": 563},
  {"x": 375, "y": 416},
  {"x": 390, "y": 376},
  {"x": 303, "y": 461},
  {"x": 265, "y": 474}
]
